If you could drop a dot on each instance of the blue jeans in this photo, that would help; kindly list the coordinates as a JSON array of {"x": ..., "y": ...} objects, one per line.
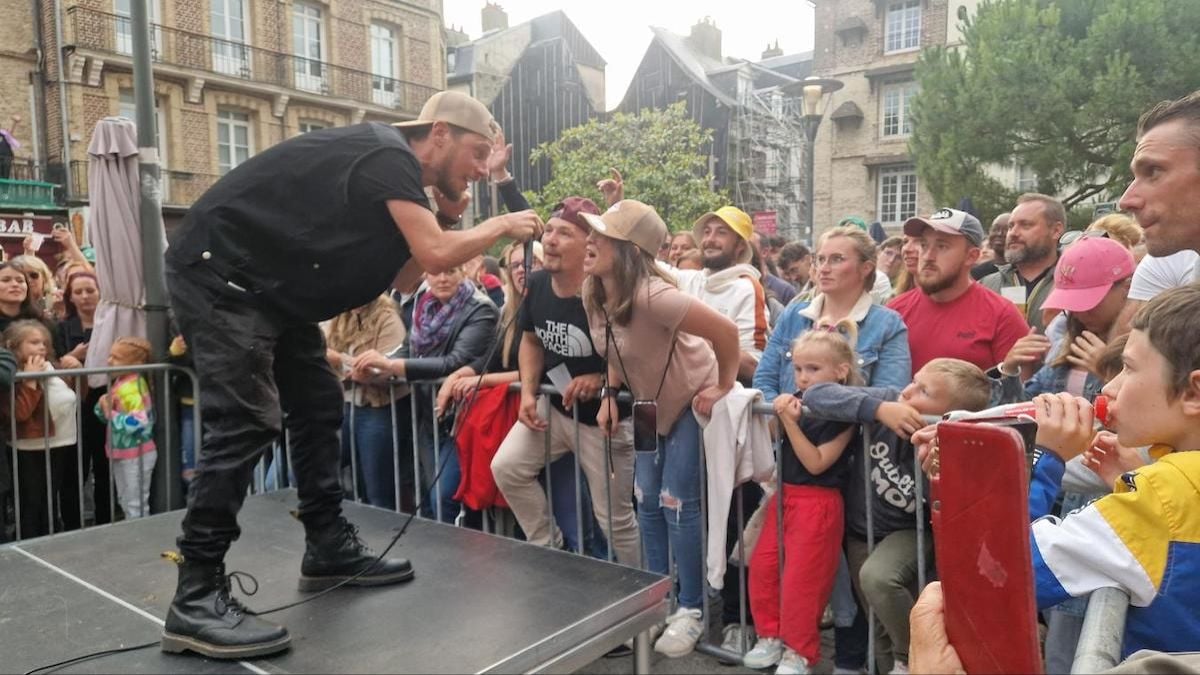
[
  {"x": 447, "y": 484},
  {"x": 372, "y": 434},
  {"x": 667, "y": 487}
]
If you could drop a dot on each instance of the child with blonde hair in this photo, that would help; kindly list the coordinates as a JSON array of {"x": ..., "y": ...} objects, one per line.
[
  {"x": 812, "y": 464},
  {"x": 44, "y": 420},
  {"x": 128, "y": 411}
]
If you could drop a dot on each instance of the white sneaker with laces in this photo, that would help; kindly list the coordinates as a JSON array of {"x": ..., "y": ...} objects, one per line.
[
  {"x": 732, "y": 638},
  {"x": 792, "y": 663},
  {"x": 899, "y": 668},
  {"x": 683, "y": 631},
  {"x": 765, "y": 654}
]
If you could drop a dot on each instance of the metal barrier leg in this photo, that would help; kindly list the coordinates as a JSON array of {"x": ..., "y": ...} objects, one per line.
[
  {"x": 579, "y": 536},
  {"x": 49, "y": 471},
  {"x": 546, "y": 470},
  {"x": 437, "y": 459},
  {"x": 168, "y": 455},
  {"x": 416, "y": 453},
  {"x": 866, "y": 460},
  {"x": 641, "y": 653},
  {"x": 1103, "y": 632},
  {"x": 354, "y": 461},
  {"x": 395, "y": 444},
  {"x": 608, "y": 478},
  {"x": 79, "y": 477},
  {"x": 919, "y": 494}
]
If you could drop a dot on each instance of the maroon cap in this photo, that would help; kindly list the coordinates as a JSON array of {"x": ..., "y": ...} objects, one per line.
[{"x": 570, "y": 209}]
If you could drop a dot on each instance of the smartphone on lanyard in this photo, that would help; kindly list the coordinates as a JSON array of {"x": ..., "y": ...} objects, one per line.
[{"x": 645, "y": 426}]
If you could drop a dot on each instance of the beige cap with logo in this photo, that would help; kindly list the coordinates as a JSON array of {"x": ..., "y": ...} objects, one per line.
[
  {"x": 456, "y": 108},
  {"x": 632, "y": 221}
]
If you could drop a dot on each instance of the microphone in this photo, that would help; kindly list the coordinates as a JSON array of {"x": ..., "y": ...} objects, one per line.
[{"x": 528, "y": 247}]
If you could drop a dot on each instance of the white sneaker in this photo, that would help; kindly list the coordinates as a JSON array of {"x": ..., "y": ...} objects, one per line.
[
  {"x": 765, "y": 654},
  {"x": 899, "y": 668},
  {"x": 732, "y": 637},
  {"x": 792, "y": 663},
  {"x": 683, "y": 630}
]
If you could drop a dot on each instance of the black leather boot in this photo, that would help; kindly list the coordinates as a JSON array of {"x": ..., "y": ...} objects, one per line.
[
  {"x": 205, "y": 618},
  {"x": 334, "y": 553}
]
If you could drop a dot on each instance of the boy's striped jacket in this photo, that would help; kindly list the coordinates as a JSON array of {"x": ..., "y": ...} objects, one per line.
[{"x": 1144, "y": 539}]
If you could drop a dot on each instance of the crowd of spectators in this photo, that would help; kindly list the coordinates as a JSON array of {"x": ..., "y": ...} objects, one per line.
[{"x": 861, "y": 335}]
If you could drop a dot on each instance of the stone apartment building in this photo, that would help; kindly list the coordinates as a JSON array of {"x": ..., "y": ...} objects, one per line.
[
  {"x": 232, "y": 77},
  {"x": 862, "y": 161}
]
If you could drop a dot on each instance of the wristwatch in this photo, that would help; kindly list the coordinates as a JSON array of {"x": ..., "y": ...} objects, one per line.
[
  {"x": 609, "y": 392},
  {"x": 447, "y": 221}
]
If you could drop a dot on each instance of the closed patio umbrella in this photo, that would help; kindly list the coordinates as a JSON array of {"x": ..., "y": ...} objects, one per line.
[{"x": 116, "y": 236}]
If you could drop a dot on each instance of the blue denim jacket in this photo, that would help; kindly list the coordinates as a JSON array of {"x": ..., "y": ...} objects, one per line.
[
  {"x": 882, "y": 348},
  {"x": 1047, "y": 380}
]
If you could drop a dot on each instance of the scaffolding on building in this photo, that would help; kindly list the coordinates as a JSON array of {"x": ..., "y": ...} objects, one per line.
[{"x": 767, "y": 158}]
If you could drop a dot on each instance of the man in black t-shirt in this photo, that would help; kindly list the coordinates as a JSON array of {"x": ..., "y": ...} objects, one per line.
[
  {"x": 556, "y": 345},
  {"x": 303, "y": 231}
]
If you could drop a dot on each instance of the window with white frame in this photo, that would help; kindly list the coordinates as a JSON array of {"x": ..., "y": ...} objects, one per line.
[
  {"x": 235, "y": 139},
  {"x": 308, "y": 47},
  {"x": 383, "y": 65},
  {"x": 1026, "y": 179},
  {"x": 902, "y": 27},
  {"x": 124, "y": 27},
  {"x": 897, "y": 194},
  {"x": 308, "y": 125},
  {"x": 229, "y": 22},
  {"x": 896, "y": 118}
]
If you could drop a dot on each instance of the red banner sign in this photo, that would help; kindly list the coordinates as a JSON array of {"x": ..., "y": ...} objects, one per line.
[{"x": 764, "y": 222}]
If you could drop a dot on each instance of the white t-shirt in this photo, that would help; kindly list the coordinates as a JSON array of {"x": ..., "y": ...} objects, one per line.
[{"x": 1155, "y": 275}]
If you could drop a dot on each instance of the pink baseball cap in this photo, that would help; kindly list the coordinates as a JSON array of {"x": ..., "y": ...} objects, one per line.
[{"x": 1085, "y": 273}]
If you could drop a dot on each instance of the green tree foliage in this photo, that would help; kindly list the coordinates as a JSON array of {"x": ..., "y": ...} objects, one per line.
[
  {"x": 660, "y": 154},
  {"x": 1053, "y": 85}
]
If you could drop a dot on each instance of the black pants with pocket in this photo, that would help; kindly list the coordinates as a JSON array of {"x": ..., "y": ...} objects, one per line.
[{"x": 257, "y": 372}]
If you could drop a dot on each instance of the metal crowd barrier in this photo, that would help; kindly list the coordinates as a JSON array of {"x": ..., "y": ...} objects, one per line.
[
  {"x": 169, "y": 459},
  {"x": 1099, "y": 646}
]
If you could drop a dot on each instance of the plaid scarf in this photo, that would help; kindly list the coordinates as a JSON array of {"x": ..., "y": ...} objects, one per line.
[{"x": 433, "y": 320}]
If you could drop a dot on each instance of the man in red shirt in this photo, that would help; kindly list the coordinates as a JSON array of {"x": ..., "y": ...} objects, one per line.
[{"x": 949, "y": 314}]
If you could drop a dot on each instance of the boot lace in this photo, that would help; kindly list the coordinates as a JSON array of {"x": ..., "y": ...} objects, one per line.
[
  {"x": 350, "y": 533},
  {"x": 225, "y": 601}
]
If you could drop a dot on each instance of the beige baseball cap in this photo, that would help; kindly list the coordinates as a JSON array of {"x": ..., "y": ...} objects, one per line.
[
  {"x": 456, "y": 108},
  {"x": 632, "y": 221}
]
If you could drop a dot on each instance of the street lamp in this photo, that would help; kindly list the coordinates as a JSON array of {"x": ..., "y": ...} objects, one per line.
[{"x": 814, "y": 95}]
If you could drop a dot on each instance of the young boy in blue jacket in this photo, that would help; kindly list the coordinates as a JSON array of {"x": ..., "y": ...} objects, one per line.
[
  {"x": 1145, "y": 537},
  {"x": 886, "y": 579}
]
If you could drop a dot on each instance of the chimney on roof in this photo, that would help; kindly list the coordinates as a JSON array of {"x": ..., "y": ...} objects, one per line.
[
  {"x": 494, "y": 17},
  {"x": 772, "y": 52},
  {"x": 706, "y": 38},
  {"x": 456, "y": 36}
]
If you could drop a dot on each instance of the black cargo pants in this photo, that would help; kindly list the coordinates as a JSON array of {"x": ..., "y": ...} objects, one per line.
[{"x": 256, "y": 373}]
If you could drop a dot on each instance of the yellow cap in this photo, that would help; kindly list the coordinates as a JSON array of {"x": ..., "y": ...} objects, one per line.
[{"x": 737, "y": 220}]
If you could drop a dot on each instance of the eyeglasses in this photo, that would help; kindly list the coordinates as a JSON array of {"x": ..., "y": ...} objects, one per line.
[
  {"x": 1073, "y": 236},
  {"x": 835, "y": 259}
]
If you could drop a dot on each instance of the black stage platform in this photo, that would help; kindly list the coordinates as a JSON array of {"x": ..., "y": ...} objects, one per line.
[{"x": 479, "y": 603}]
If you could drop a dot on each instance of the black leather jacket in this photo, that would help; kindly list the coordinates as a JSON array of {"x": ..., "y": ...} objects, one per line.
[{"x": 469, "y": 340}]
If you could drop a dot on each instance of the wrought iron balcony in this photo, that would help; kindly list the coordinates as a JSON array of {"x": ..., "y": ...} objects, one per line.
[
  {"x": 113, "y": 34},
  {"x": 179, "y": 188}
]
